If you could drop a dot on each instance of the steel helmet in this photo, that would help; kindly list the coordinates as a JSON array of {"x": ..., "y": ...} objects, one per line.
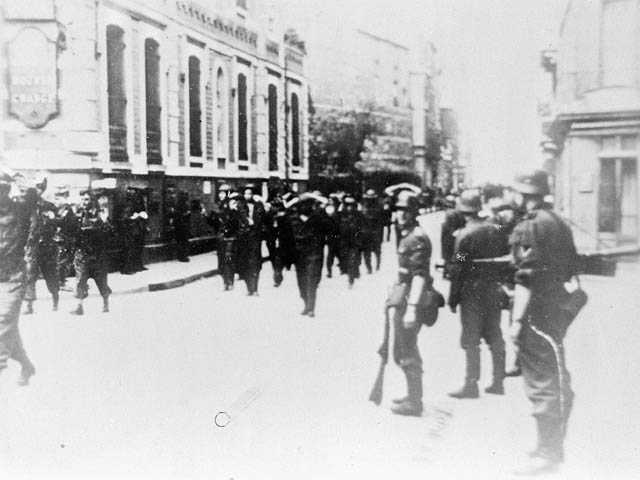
[
  {"x": 469, "y": 202},
  {"x": 532, "y": 183}
]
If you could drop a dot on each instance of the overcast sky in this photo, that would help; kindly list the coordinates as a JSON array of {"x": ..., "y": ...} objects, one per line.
[{"x": 489, "y": 52}]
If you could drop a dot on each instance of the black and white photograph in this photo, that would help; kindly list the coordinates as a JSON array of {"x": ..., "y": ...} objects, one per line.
[{"x": 319, "y": 239}]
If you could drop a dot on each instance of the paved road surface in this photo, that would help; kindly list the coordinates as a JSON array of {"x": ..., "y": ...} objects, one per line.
[{"x": 136, "y": 393}]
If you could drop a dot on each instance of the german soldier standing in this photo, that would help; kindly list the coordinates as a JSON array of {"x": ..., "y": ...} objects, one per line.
[
  {"x": 414, "y": 278},
  {"x": 478, "y": 293},
  {"x": 66, "y": 236},
  {"x": 17, "y": 221},
  {"x": 90, "y": 259},
  {"x": 545, "y": 258}
]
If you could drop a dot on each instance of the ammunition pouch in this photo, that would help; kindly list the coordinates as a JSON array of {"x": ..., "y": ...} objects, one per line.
[{"x": 427, "y": 307}]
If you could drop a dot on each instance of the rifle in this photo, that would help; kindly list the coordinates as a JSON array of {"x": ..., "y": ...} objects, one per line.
[{"x": 383, "y": 351}]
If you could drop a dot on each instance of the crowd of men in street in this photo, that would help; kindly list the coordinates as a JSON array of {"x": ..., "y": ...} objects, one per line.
[{"x": 45, "y": 237}]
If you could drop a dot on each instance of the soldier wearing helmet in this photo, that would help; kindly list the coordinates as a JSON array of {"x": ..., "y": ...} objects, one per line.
[
  {"x": 545, "y": 258},
  {"x": 414, "y": 257},
  {"x": 476, "y": 290}
]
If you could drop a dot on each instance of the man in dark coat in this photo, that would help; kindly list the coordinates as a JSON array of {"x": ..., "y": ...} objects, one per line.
[
  {"x": 65, "y": 236},
  {"x": 273, "y": 236},
  {"x": 475, "y": 288},
  {"x": 251, "y": 237},
  {"x": 18, "y": 220},
  {"x": 90, "y": 260},
  {"x": 231, "y": 221},
  {"x": 181, "y": 222},
  {"x": 545, "y": 258},
  {"x": 45, "y": 255},
  {"x": 373, "y": 229},
  {"x": 351, "y": 225},
  {"x": 333, "y": 235},
  {"x": 308, "y": 229}
]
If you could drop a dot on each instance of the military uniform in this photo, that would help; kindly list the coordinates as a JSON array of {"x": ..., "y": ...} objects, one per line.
[
  {"x": 333, "y": 239},
  {"x": 477, "y": 290},
  {"x": 66, "y": 239},
  {"x": 17, "y": 223},
  {"x": 453, "y": 221},
  {"x": 544, "y": 255},
  {"x": 229, "y": 221}
]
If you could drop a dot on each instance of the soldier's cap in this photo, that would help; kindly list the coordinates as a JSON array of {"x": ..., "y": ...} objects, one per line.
[
  {"x": 469, "y": 201},
  {"x": 235, "y": 196},
  {"x": 349, "y": 200},
  {"x": 370, "y": 193},
  {"x": 225, "y": 187},
  {"x": 532, "y": 183},
  {"x": 250, "y": 186}
]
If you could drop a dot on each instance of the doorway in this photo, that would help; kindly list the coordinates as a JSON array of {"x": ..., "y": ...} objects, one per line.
[{"x": 618, "y": 199}]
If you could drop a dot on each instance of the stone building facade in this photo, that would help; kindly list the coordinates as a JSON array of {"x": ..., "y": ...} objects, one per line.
[
  {"x": 591, "y": 122},
  {"x": 159, "y": 95}
]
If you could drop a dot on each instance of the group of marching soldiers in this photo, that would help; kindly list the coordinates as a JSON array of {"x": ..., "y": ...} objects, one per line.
[
  {"x": 296, "y": 229},
  {"x": 498, "y": 255}
]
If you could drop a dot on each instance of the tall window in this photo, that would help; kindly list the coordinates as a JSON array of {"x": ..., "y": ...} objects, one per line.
[
  {"x": 221, "y": 113},
  {"x": 116, "y": 94},
  {"x": 273, "y": 127},
  {"x": 242, "y": 118},
  {"x": 619, "y": 42},
  {"x": 153, "y": 109},
  {"x": 195, "y": 112},
  {"x": 295, "y": 131},
  {"x": 241, "y": 4}
]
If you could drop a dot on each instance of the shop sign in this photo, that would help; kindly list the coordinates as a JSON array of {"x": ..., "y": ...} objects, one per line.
[{"x": 33, "y": 78}]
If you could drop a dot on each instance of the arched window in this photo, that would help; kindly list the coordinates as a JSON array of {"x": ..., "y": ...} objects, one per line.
[
  {"x": 295, "y": 130},
  {"x": 116, "y": 94},
  {"x": 195, "y": 112},
  {"x": 243, "y": 150},
  {"x": 221, "y": 113},
  {"x": 153, "y": 109},
  {"x": 273, "y": 127}
]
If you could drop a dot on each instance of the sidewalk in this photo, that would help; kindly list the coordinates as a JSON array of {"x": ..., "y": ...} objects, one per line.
[{"x": 158, "y": 276}]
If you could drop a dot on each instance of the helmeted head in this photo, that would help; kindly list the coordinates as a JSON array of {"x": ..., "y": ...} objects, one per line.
[
  {"x": 223, "y": 192},
  {"x": 349, "y": 203},
  {"x": 535, "y": 182},
  {"x": 469, "y": 202},
  {"x": 407, "y": 206}
]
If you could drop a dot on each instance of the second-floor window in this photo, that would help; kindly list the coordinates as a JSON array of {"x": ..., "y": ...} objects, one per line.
[
  {"x": 273, "y": 127},
  {"x": 195, "y": 112},
  {"x": 243, "y": 149},
  {"x": 295, "y": 131},
  {"x": 153, "y": 109}
]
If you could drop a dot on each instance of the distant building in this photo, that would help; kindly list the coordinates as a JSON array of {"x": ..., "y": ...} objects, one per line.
[
  {"x": 351, "y": 69},
  {"x": 159, "y": 95},
  {"x": 592, "y": 122}
]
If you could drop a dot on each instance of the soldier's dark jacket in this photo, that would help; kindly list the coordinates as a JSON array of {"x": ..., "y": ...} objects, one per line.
[
  {"x": 545, "y": 258},
  {"x": 93, "y": 236}
]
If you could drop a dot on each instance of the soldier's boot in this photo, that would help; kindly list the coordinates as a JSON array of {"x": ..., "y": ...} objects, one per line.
[
  {"x": 277, "y": 278},
  {"x": 56, "y": 300},
  {"x": 79, "y": 310},
  {"x": 105, "y": 304},
  {"x": 470, "y": 387},
  {"x": 377, "y": 262},
  {"x": 28, "y": 310},
  {"x": 549, "y": 453},
  {"x": 27, "y": 371},
  {"x": 311, "y": 304},
  {"x": 412, "y": 404},
  {"x": 497, "y": 386}
]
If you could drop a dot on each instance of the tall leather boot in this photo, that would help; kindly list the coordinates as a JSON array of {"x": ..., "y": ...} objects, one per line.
[
  {"x": 549, "y": 453},
  {"x": 498, "y": 357},
  {"x": 412, "y": 405},
  {"x": 470, "y": 387}
]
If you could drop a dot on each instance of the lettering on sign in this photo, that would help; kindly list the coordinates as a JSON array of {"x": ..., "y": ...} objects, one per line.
[
  {"x": 33, "y": 78},
  {"x": 216, "y": 24}
]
